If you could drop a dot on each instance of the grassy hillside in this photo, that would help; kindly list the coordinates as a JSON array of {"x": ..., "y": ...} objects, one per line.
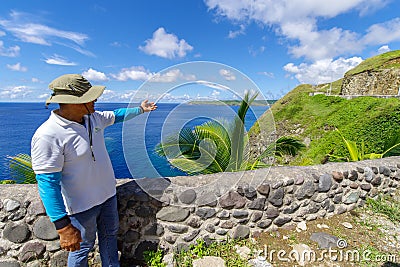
[
  {"x": 382, "y": 61},
  {"x": 314, "y": 118}
]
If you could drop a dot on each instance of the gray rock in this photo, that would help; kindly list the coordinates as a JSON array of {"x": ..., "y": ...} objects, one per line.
[
  {"x": 241, "y": 232},
  {"x": 337, "y": 198},
  {"x": 264, "y": 223},
  {"x": 291, "y": 209},
  {"x": 306, "y": 190},
  {"x": 276, "y": 197},
  {"x": 281, "y": 220},
  {"x": 353, "y": 175},
  {"x": 59, "y": 259},
  {"x": 177, "y": 228},
  {"x": 36, "y": 208},
  {"x": 299, "y": 180},
  {"x": 264, "y": 189},
  {"x": 210, "y": 228},
  {"x": 53, "y": 246},
  {"x": 338, "y": 176},
  {"x": 9, "y": 263},
  {"x": 17, "y": 214},
  {"x": 188, "y": 196},
  {"x": 232, "y": 200},
  {"x": 221, "y": 232},
  {"x": 277, "y": 185},
  {"x": 325, "y": 182},
  {"x": 44, "y": 229},
  {"x": 376, "y": 181},
  {"x": 257, "y": 204},
  {"x": 352, "y": 197},
  {"x": 11, "y": 204},
  {"x": 256, "y": 216},
  {"x": 205, "y": 213},
  {"x": 365, "y": 187},
  {"x": 171, "y": 238},
  {"x": 194, "y": 222},
  {"x": 384, "y": 170},
  {"x": 240, "y": 214},
  {"x": 172, "y": 214},
  {"x": 227, "y": 225},
  {"x": 375, "y": 170},
  {"x": 155, "y": 229},
  {"x": 192, "y": 235},
  {"x": 368, "y": 174},
  {"x": 324, "y": 240},
  {"x": 272, "y": 212},
  {"x": 17, "y": 233},
  {"x": 224, "y": 214},
  {"x": 31, "y": 250}
]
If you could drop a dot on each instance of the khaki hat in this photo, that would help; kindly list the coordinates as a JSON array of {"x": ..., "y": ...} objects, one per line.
[{"x": 73, "y": 89}]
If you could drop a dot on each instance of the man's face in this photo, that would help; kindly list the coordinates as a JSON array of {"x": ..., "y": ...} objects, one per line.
[{"x": 90, "y": 106}]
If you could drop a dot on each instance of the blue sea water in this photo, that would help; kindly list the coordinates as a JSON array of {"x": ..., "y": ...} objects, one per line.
[{"x": 20, "y": 120}]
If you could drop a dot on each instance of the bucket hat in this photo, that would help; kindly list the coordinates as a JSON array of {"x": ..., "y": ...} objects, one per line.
[{"x": 73, "y": 89}]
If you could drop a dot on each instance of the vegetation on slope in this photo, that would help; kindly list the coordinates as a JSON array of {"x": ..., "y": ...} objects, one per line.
[
  {"x": 379, "y": 62},
  {"x": 315, "y": 118}
]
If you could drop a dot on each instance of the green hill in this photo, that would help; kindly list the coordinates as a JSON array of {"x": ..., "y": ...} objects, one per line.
[
  {"x": 313, "y": 117},
  {"x": 377, "y": 63}
]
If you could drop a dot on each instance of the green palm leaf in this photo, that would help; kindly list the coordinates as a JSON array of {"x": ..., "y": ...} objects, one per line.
[
  {"x": 20, "y": 167},
  {"x": 238, "y": 134}
]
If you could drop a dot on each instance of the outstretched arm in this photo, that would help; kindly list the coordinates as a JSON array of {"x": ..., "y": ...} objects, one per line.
[{"x": 124, "y": 114}]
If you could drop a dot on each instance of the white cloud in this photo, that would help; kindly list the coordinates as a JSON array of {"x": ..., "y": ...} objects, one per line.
[
  {"x": 383, "y": 49},
  {"x": 172, "y": 76},
  {"x": 228, "y": 75},
  {"x": 17, "y": 67},
  {"x": 322, "y": 71},
  {"x": 22, "y": 26},
  {"x": 383, "y": 33},
  {"x": 166, "y": 45},
  {"x": 136, "y": 73},
  {"x": 234, "y": 34},
  {"x": 59, "y": 60},
  {"x": 12, "y": 51},
  {"x": 266, "y": 73},
  {"x": 2, "y": 33},
  {"x": 44, "y": 96},
  {"x": 95, "y": 75},
  {"x": 35, "y": 80},
  {"x": 17, "y": 92},
  {"x": 297, "y": 21},
  {"x": 215, "y": 93}
]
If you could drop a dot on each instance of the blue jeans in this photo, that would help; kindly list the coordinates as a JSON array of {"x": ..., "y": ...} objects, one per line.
[{"x": 102, "y": 219}]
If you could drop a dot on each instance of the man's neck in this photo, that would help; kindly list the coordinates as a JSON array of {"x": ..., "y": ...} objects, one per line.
[{"x": 70, "y": 115}]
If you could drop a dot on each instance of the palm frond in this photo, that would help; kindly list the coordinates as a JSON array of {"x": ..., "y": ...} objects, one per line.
[
  {"x": 20, "y": 167},
  {"x": 287, "y": 145},
  {"x": 238, "y": 133}
]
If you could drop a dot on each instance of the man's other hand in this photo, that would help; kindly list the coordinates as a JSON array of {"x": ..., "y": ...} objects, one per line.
[{"x": 70, "y": 238}]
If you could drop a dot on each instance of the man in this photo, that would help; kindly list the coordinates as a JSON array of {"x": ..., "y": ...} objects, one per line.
[{"x": 74, "y": 173}]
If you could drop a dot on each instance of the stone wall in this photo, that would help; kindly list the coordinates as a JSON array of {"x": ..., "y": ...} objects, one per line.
[
  {"x": 173, "y": 213},
  {"x": 385, "y": 82}
]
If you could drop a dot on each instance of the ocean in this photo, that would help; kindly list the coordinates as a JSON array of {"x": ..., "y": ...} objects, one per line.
[{"x": 20, "y": 120}]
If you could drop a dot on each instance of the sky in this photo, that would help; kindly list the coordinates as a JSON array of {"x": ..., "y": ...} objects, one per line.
[{"x": 134, "y": 46}]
